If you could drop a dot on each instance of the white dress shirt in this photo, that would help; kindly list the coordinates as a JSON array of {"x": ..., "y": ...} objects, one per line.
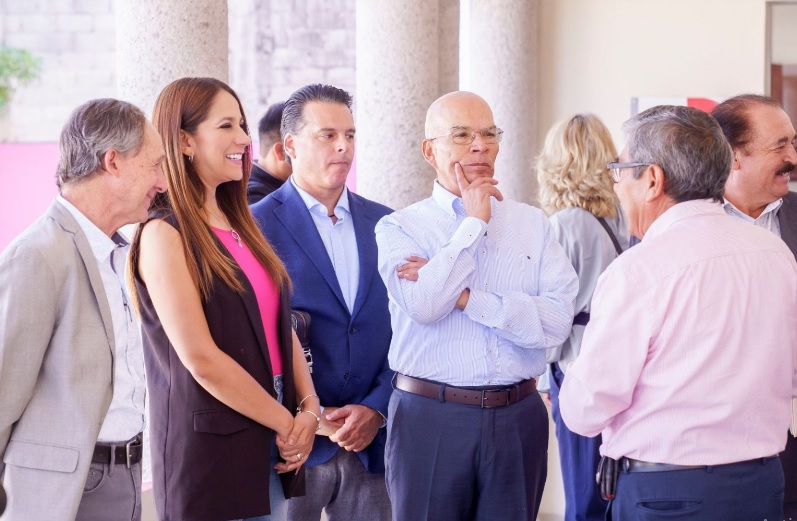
[{"x": 125, "y": 416}]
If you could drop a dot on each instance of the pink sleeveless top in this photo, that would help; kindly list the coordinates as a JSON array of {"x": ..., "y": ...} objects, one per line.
[{"x": 266, "y": 293}]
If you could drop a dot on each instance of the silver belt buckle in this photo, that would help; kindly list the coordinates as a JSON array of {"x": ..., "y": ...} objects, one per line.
[
  {"x": 488, "y": 406},
  {"x": 128, "y": 445}
]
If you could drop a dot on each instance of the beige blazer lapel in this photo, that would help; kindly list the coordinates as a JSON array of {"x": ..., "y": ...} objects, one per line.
[{"x": 62, "y": 216}]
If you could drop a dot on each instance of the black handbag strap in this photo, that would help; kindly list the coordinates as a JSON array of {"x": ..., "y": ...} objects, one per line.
[
  {"x": 582, "y": 319},
  {"x": 611, "y": 235}
]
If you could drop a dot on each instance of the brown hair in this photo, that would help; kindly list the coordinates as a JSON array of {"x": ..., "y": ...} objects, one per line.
[
  {"x": 734, "y": 118},
  {"x": 182, "y": 106}
]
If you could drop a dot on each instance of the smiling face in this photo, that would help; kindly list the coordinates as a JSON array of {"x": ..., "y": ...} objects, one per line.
[
  {"x": 219, "y": 143},
  {"x": 321, "y": 151},
  {"x": 761, "y": 168},
  {"x": 141, "y": 177},
  {"x": 459, "y": 109}
]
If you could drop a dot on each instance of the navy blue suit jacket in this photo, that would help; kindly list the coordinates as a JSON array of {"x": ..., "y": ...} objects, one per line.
[{"x": 349, "y": 349}]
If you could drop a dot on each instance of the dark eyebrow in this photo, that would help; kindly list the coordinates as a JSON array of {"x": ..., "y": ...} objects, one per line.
[
  {"x": 331, "y": 129},
  {"x": 230, "y": 119}
]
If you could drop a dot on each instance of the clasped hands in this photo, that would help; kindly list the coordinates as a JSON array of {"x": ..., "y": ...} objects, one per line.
[
  {"x": 353, "y": 427},
  {"x": 297, "y": 444}
]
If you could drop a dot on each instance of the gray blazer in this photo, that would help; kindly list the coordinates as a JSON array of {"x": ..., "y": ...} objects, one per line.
[
  {"x": 56, "y": 366},
  {"x": 787, "y": 218}
]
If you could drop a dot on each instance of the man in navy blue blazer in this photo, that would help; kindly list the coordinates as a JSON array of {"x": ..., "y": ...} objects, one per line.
[{"x": 325, "y": 236}]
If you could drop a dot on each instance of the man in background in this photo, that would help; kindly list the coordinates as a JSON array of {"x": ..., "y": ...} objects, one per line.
[
  {"x": 757, "y": 192},
  {"x": 272, "y": 168}
]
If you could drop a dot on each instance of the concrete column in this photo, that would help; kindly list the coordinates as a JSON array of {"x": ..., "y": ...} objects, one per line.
[
  {"x": 158, "y": 42},
  {"x": 448, "y": 46},
  {"x": 399, "y": 63},
  {"x": 502, "y": 41}
]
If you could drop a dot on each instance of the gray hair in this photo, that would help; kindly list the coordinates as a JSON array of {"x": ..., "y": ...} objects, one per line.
[
  {"x": 688, "y": 144},
  {"x": 93, "y": 129}
]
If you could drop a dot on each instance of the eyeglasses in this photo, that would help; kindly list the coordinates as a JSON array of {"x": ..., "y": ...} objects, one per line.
[
  {"x": 467, "y": 135},
  {"x": 617, "y": 168}
]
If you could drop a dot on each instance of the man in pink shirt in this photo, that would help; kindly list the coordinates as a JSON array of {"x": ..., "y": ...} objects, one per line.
[
  {"x": 757, "y": 192},
  {"x": 687, "y": 367}
]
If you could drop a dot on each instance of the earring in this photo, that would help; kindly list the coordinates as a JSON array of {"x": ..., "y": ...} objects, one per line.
[{"x": 191, "y": 158}]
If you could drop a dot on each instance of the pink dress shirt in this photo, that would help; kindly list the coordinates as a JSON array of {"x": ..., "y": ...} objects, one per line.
[{"x": 689, "y": 357}]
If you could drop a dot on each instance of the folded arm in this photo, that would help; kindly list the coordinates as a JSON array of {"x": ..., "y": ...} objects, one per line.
[
  {"x": 539, "y": 321},
  {"x": 441, "y": 281}
]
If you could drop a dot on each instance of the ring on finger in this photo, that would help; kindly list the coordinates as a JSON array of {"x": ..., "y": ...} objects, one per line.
[{"x": 299, "y": 457}]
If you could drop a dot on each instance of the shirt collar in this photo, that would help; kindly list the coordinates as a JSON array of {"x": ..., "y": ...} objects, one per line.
[
  {"x": 772, "y": 207},
  {"x": 450, "y": 203},
  {"x": 682, "y": 211},
  {"x": 101, "y": 245},
  {"x": 313, "y": 205}
]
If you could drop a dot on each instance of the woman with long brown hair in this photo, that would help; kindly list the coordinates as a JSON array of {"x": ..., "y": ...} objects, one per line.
[{"x": 225, "y": 370}]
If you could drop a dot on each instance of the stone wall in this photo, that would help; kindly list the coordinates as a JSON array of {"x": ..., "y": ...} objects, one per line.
[
  {"x": 75, "y": 40},
  {"x": 279, "y": 46},
  {"x": 276, "y": 46}
]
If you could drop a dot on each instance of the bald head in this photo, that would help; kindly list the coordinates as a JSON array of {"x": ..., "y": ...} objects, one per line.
[
  {"x": 444, "y": 108},
  {"x": 450, "y": 118}
]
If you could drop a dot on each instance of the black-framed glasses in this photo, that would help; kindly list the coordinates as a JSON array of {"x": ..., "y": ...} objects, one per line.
[
  {"x": 617, "y": 168},
  {"x": 467, "y": 135}
]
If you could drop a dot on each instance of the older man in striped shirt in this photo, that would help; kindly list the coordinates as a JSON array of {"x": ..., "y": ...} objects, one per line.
[{"x": 479, "y": 289}]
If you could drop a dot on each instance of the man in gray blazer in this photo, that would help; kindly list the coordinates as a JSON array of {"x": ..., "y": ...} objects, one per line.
[
  {"x": 71, "y": 366},
  {"x": 763, "y": 141}
]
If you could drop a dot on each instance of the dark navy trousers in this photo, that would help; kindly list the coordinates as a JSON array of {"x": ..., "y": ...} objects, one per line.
[
  {"x": 788, "y": 458},
  {"x": 749, "y": 491},
  {"x": 451, "y": 462},
  {"x": 579, "y": 459}
]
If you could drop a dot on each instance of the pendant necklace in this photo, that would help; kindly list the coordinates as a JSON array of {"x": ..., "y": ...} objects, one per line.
[
  {"x": 236, "y": 237},
  {"x": 233, "y": 233}
]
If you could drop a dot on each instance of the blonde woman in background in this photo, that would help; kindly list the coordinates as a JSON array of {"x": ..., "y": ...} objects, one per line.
[{"x": 576, "y": 191}]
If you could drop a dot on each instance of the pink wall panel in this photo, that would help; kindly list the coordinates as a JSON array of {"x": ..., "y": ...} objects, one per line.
[{"x": 27, "y": 185}]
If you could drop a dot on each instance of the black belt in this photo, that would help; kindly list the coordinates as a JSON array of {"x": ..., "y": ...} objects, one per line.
[
  {"x": 634, "y": 465},
  {"x": 125, "y": 453},
  {"x": 485, "y": 398}
]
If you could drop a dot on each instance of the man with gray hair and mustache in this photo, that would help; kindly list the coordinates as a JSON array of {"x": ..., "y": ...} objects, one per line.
[
  {"x": 762, "y": 138},
  {"x": 71, "y": 363},
  {"x": 689, "y": 361}
]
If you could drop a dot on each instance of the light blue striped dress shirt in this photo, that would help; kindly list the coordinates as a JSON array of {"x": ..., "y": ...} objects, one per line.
[
  {"x": 522, "y": 291},
  {"x": 339, "y": 240},
  {"x": 768, "y": 219}
]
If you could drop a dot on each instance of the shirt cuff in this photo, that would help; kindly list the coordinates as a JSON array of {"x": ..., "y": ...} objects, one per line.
[
  {"x": 480, "y": 308},
  {"x": 470, "y": 230}
]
